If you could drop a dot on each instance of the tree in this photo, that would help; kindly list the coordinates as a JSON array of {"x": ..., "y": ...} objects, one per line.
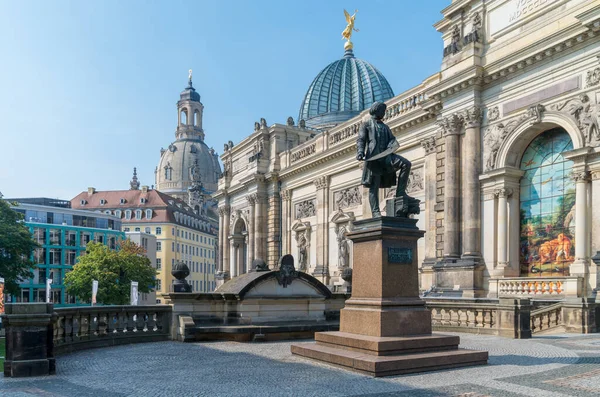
[
  {"x": 114, "y": 271},
  {"x": 16, "y": 246}
]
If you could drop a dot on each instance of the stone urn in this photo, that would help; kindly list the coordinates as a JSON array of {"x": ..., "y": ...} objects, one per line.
[{"x": 180, "y": 271}]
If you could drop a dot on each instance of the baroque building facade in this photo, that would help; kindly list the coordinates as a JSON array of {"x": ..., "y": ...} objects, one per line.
[{"x": 505, "y": 148}]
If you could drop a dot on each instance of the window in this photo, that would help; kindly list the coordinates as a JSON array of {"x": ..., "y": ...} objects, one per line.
[
  {"x": 547, "y": 204},
  {"x": 177, "y": 247},
  {"x": 54, "y": 258},
  {"x": 126, "y": 229},
  {"x": 172, "y": 261},
  {"x": 168, "y": 173},
  {"x": 158, "y": 246},
  {"x": 172, "y": 247},
  {"x": 158, "y": 285},
  {"x": 177, "y": 232},
  {"x": 83, "y": 202},
  {"x": 55, "y": 237},
  {"x": 138, "y": 214},
  {"x": 39, "y": 235},
  {"x": 196, "y": 251},
  {"x": 118, "y": 213},
  {"x": 147, "y": 230},
  {"x": 158, "y": 263},
  {"x": 137, "y": 229},
  {"x": 102, "y": 201},
  {"x": 84, "y": 238},
  {"x": 70, "y": 256},
  {"x": 173, "y": 231},
  {"x": 142, "y": 200},
  {"x": 39, "y": 255},
  {"x": 186, "y": 234},
  {"x": 148, "y": 214},
  {"x": 127, "y": 214},
  {"x": 158, "y": 231},
  {"x": 99, "y": 238}
]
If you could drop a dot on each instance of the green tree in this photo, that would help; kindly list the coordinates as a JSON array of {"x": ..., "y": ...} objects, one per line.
[
  {"x": 16, "y": 245},
  {"x": 114, "y": 271}
]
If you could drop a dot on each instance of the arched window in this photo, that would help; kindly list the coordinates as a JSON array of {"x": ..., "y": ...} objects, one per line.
[
  {"x": 196, "y": 118},
  {"x": 118, "y": 213},
  {"x": 183, "y": 116},
  {"x": 138, "y": 214},
  {"x": 148, "y": 214},
  {"x": 168, "y": 173},
  {"x": 547, "y": 206},
  {"x": 127, "y": 214}
]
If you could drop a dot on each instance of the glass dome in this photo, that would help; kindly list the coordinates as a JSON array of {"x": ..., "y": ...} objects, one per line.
[{"x": 342, "y": 90}]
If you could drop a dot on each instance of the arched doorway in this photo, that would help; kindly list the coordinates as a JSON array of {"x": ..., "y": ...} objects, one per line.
[
  {"x": 547, "y": 206},
  {"x": 239, "y": 248}
]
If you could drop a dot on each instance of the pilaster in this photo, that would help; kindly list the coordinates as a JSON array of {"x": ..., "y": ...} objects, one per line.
[
  {"x": 321, "y": 271},
  {"x": 429, "y": 145}
]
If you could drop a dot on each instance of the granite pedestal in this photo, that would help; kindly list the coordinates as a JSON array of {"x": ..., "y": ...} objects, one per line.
[
  {"x": 385, "y": 328},
  {"x": 29, "y": 343}
]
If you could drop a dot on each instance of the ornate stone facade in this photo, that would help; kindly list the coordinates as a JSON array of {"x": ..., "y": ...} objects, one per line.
[{"x": 466, "y": 131}]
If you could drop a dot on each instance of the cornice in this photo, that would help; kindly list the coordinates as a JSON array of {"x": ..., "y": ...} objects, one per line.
[{"x": 472, "y": 77}]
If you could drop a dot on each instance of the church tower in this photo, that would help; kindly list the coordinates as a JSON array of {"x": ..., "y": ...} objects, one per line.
[
  {"x": 189, "y": 111},
  {"x": 187, "y": 161}
]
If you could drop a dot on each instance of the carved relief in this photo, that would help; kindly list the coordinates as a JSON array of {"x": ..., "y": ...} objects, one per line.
[
  {"x": 472, "y": 116},
  {"x": 592, "y": 77},
  {"x": 535, "y": 113},
  {"x": 428, "y": 144},
  {"x": 304, "y": 152},
  {"x": 415, "y": 180},
  {"x": 346, "y": 198},
  {"x": 302, "y": 240},
  {"x": 581, "y": 176},
  {"x": 305, "y": 209},
  {"x": 586, "y": 114},
  {"x": 493, "y": 113}
]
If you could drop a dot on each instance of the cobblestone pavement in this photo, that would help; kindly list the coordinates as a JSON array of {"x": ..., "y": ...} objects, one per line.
[{"x": 549, "y": 366}]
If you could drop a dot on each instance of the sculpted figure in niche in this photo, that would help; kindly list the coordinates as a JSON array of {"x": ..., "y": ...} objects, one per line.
[
  {"x": 343, "y": 251},
  {"x": 376, "y": 145},
  {"x": 302, "y": 252}
]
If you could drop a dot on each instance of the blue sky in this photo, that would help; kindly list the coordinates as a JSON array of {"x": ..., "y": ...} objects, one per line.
[{"x": 88, "y": 89}]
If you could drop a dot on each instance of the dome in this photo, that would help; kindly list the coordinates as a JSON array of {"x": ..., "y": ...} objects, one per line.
[
  {"x": 342, "y": 90},
  {"x": 175, "y": 171}
]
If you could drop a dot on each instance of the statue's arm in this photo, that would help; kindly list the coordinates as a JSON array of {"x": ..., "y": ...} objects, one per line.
[
  {"x": 360, "y": 141},
  {"x": 392, "y": 139}
]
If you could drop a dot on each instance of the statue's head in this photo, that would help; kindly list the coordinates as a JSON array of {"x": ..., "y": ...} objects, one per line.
[{"x": 377, "y": 110}]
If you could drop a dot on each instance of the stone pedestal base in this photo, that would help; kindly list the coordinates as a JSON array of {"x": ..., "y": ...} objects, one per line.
[
  {"x": 460, "y": 277},
  {"x": 29, "y": 343},
  {"x": 388, "y": 356},
  {"x": 385, "y": 328}
]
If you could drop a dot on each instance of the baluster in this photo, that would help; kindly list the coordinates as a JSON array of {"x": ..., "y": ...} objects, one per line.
[
  {"x": 120, "y": 322},
  {"x": 94, "y": 325},
  {"x": 76, "y": 326},
  {"x": 102, "y": 324},
  {"x": 60, "y": 337},
  {"x": 84, "y": 326},
  {"x": 152, "y": 321}
]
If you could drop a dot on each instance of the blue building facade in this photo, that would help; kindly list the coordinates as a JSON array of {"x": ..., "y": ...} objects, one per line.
[{"x": 63, "y": 235}]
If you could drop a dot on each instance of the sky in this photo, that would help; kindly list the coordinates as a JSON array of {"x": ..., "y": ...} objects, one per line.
[{"x": 88, "y": 89}]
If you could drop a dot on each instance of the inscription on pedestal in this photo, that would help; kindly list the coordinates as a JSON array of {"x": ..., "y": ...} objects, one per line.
[{"x": 401, "y": 256}]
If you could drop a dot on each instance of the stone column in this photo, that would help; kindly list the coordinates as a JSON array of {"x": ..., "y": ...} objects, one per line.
[
  {"x": 502, "y": 243},
  {"x": 579, "y": 267},
  {"x": 322, "y": 268},
  {"x": 430, "y": 174},
  {"x": 259, "y": 228},
  {"x": 251, "y": 236},
  {"x": 234, "y": 257},
  {"x": 221, "y": 240},
  {"x": 225, "y": 250},
  {"x": 286, "y": 225},
  {"x": 471, "y": 203},
  {"x": 451, "y": 128}
]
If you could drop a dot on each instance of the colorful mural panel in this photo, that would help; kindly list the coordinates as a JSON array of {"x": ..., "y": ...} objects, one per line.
[{"x": 547, "y": 205}]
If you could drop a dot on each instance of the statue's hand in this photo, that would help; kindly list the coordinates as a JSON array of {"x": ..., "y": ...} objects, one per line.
[{"x": 360, "y": 156}]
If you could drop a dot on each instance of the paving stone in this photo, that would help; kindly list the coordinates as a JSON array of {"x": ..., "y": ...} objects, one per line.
[{"x": 549, "y": 366}]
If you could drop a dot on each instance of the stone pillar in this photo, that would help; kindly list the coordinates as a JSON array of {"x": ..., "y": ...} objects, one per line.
[
  {"x": 251, "y": 236},
  {"x": 29, "y": 339},
  {"x": 322, "y": 269},
  {"x": 259, "y": 228},
  {"x": 580, "y": 267},
  {"x": 471, "y": 202},
  {"x": 451, "y": 126},
  {"x": 430, "y": 221},
  {"x": 273, "y": 221},
  {"x": 221, "y": 240},
  {"x": 234, "y": 257},
  {"x": 503, "y": 222},
  {"x": 223, "y": 274},
  {"x": 286, "y": 224}
]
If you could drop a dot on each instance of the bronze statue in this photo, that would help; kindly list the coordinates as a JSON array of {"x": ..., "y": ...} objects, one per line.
[{"x": 376, "y": 145}]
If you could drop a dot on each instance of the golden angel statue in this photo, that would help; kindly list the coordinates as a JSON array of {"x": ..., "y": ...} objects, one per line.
[{"x": 347, "y": 33}]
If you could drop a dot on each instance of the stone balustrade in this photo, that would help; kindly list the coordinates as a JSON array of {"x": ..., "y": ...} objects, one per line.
[
  {"x": 545, "y": 318},
  {"x": 480, "y": 318},
  {"x": 400, "y": 105},
  {"x": 85, "y": 327},
  {"x": 538, "y": 287}
]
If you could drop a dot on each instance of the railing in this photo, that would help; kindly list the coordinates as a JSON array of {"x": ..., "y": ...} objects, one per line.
[
  {"x": 546, "y": 318},
  {"x": 88, "y": 327},
  {"x": 465, "y": 316},
  {"x": 538, "y": 287},
  {"x": 397, "y": 107}
]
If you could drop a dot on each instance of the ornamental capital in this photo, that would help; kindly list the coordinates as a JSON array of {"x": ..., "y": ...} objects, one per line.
[
  {"x": 451, "y": 125},
  {"x": 225, "y": 210},
  {"x": 503, "y": 192},
  {"x": 428, "y": 144},
  {"x": 582, "y": 176},
  {"x": 321, "y": 182},
  {"x": 251, "y": 198},
  {"x": 472, "y": 117},
  {"x": 286, "y": 194}
]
